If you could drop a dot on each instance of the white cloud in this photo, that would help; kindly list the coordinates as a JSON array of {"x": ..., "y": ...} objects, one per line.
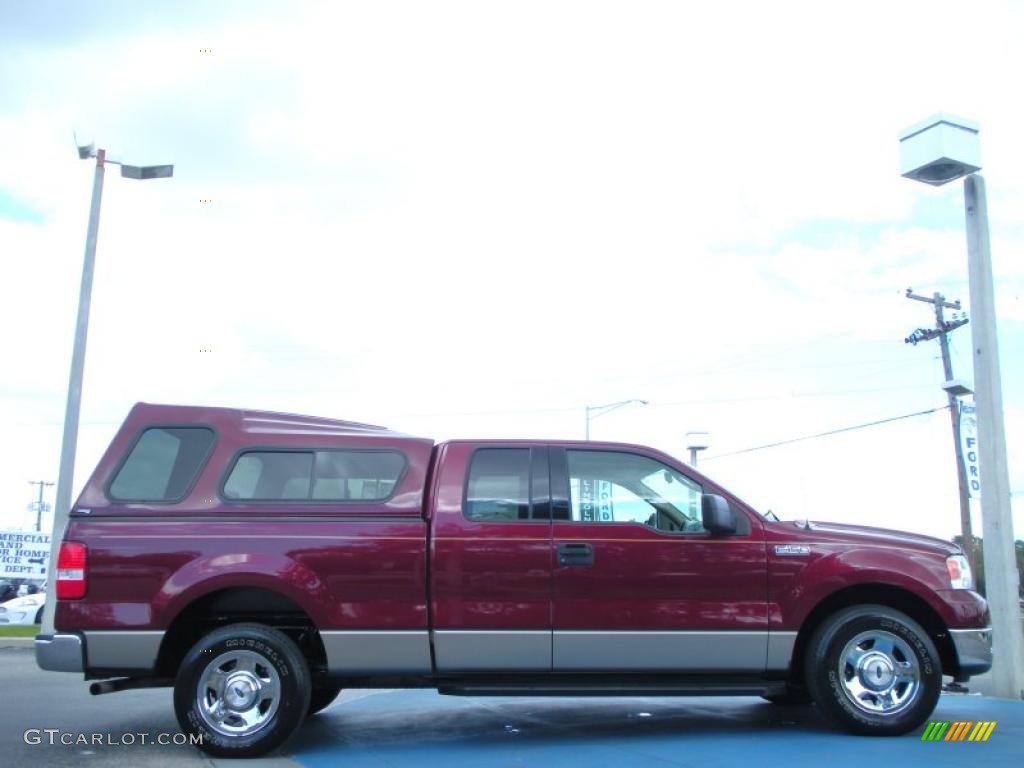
[{"x": 459, "y": 219}]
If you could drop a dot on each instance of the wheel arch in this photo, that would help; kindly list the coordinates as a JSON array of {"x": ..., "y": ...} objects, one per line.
[
  {"x": 888, "y": 595},
  {"x": 230, "y": 605}
]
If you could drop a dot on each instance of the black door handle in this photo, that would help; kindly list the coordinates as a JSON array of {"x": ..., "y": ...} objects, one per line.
[{"x": 575, "y": 554}]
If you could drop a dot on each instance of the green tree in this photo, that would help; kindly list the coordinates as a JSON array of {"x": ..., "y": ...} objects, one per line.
[{"x": 1018, "y": 547}]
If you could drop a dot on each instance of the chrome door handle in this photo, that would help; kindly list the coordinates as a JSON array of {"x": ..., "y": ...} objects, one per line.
[{"x": 576, "y": 554}]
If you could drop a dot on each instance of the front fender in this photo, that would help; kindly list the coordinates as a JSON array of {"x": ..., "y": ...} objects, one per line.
[{"x": 833, "y": 570}]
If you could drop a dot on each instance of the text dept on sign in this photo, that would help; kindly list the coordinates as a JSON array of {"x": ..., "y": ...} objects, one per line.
[{"x": 24, "y": 554}]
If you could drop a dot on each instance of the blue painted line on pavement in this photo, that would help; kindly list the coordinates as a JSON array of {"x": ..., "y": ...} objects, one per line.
[{"x": 422, "y": 728}]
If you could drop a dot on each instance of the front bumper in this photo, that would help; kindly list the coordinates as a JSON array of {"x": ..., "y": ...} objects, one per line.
[
  {"x": 60, "y": 653},
  {"x": 973, "y": 650}
]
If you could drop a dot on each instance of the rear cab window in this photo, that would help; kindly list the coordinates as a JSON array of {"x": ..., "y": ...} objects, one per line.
[
  {"x": 498, "y": 486},
  {"x": 507, "y": 484},
  {"x": 162, "y": 464}
]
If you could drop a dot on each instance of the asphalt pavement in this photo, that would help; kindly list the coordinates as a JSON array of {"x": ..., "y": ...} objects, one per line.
[
  {"x": 416, "y": 728},
  {"x": 32, "y": 700}
]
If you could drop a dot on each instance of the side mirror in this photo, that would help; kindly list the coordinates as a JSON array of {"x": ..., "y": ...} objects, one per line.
[{"x": 717, "y": 516}]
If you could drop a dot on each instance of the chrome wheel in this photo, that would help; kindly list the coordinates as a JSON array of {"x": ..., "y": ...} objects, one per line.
[
  {"x": 879, "y": 673},
  {"x": 238, "y": 693}
]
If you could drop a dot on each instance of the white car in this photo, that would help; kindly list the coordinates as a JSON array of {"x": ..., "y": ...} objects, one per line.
[{"x": 23, "y": 610}]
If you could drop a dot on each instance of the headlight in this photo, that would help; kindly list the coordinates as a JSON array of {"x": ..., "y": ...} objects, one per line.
[{"x": 959, "y": 572}]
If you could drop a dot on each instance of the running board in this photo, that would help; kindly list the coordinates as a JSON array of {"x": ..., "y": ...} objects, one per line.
[
  {"x": 128, "y": 684},
  {"x": 603, "y": 688}
]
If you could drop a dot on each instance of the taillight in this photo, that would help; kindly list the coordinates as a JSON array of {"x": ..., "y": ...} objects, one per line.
[{"x": 71, "y": 571}]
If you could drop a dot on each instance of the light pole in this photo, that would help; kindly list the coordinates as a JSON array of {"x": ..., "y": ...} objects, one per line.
[
  {"x": 66, "y": 476},
  {"x": 936, "y": 151},
  {"x": 696, "y": 442},
  {"x": 593, "y": 411}
]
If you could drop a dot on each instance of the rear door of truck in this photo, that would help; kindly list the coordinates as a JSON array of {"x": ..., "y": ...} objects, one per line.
[{"x": 491, "y": 557}]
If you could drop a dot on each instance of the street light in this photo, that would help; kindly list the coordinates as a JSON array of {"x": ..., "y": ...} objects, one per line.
[
  {"x": 957, "y": 388},
  {"x": 593, "y": 411},
  {"x": 936, "y": 151},
  {"x": 696, "y": 442},
  {"x": 66, "y": 477}
]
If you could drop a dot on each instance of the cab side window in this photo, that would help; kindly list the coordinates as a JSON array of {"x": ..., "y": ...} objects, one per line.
[
  {"x": 498, "y": 486},
  {"x": 618, "y": 487}
]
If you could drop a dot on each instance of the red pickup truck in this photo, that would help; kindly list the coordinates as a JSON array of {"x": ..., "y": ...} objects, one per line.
[{"x": 260, "y": 562}]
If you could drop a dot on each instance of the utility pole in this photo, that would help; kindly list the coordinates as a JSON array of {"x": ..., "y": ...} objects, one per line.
[
  {"x": 940, "y": 331},
  {"x": 40, "y": 505}
]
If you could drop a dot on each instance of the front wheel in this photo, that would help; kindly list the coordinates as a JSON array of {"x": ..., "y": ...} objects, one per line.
[
  {"x": 873, "y": 670},
  {"x": 243, "y": 690}
]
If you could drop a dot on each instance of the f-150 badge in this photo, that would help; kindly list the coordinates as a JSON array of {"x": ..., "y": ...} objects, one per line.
[{"x": 792, "y": 549}]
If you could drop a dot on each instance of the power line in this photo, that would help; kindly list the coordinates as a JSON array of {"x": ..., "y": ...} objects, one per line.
[
  {"x": 575, "y": 408},
  {"x": 830, "y": 432},
  {"x": 673, "y": 403}
]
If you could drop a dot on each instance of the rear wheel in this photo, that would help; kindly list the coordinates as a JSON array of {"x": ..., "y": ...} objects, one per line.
[
  {"x": 243, "y": 689},
  {"x": 873, "y": 670}
]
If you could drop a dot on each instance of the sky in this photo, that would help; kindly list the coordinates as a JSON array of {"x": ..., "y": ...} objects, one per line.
[{"x": 475, "y": 219}]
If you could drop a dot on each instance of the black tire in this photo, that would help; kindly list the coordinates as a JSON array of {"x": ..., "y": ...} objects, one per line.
[
  {"x": 873, "y": 670},
  {"x": 322, "y": 698},
  {"x": 793, "y": 697},
  {"x": 39, "y": 616},
  {"x": 262, "y": 698}
]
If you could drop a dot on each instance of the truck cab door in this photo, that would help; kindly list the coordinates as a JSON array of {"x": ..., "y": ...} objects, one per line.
[
  {"x": 491, "y": 559},
  {"x": 639, "y": 584}
]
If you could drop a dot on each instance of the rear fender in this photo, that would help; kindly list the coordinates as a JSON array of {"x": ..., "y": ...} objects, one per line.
[{"x": 271, "y": 572}]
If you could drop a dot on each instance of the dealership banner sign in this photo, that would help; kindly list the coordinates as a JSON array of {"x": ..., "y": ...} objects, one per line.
[
  {"x": 596, "y": 500},
  {"x": 969, "y": 448},
  {"x": 24, "y": 554}
]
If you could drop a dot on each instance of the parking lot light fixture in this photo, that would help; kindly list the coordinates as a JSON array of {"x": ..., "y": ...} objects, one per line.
[
  {"x": 147, "y": 171},
  {"x": 695, "y": 443}
]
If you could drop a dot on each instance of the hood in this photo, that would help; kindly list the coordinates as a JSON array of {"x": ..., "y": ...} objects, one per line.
[{"x": 863, "y": 534}]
